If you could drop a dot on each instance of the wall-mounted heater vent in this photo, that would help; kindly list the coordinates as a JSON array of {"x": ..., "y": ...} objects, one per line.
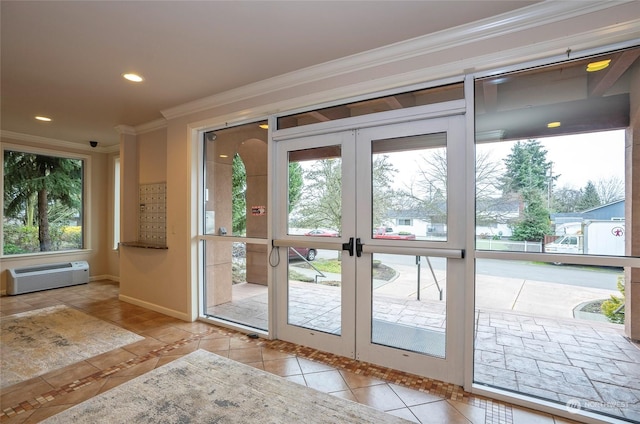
[{"x": 49, "y": 276}]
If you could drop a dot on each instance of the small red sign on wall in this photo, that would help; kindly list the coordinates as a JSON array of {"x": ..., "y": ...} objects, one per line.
[{"x": 258, "y": 210}]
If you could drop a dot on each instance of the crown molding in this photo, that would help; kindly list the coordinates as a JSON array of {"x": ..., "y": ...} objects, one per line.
[
  {"x": 125, "y": 129},
  {"x": 158, "y": 124},
  {"x": 502, "y": 25},
  {"x": 51, "y": 142}
]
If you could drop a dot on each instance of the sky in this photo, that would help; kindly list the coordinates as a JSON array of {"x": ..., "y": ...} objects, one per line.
[{"x": 577, "y": 159}]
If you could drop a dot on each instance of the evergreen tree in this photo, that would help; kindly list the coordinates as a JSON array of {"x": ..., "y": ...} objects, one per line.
[
  {"x": 526, "y": 167},
  {"x": 238, "y": 196},
  {"x": 589, "y": 198},
  {"x": 526, "y": 174},
  {"x": 295, "y": 184},
  {"x": 534, "y": 222}
]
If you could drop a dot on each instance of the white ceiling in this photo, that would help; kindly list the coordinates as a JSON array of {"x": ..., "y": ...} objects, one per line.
[{"x": 64, "y": 59}]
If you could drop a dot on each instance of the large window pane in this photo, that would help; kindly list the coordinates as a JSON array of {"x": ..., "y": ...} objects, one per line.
[
  {"x": 235, "y": 205},
  {"x": 561, "y": 194},
  {"x": 554, "y": 175},
  {"x": 43, "y": 203},
  {"x": 555, "y": 333}
]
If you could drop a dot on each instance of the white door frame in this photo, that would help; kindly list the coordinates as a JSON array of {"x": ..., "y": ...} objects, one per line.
[{"x": 447, "y": 117}]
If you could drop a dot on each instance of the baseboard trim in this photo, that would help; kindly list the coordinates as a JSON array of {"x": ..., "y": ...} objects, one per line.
[
  {"x": 152, "y": 306},
  {"x": 105, "y": 277}
]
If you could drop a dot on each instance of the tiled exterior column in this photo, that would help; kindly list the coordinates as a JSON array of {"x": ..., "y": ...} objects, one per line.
[
  {"x": 254, "y": 155},
  {"x": 632, "y": 206},
  {"x": 218, "y": 260}
]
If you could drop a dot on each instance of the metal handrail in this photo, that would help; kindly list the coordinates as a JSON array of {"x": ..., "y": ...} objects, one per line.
[
  {"x": 320, "y": 274},
  {"x": 432, "y": 274}
]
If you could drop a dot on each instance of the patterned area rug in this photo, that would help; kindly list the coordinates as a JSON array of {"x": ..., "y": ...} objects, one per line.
[
  {"x": 203, "y": 387},
  {"x": 47, "y": 339}
]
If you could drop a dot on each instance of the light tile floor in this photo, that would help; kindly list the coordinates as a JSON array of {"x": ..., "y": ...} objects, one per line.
[{"x": 166, "y": 339}]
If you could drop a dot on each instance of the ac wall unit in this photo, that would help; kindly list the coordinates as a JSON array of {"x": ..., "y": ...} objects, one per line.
[{"x": 43, "y": 277}]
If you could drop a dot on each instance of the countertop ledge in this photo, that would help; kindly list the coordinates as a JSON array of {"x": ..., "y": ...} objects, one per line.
[{"x": 142, "y": 245}]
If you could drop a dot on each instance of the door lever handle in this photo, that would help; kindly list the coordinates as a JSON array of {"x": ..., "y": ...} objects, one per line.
[
  {"x": 349, "y": 246},
  {"x": 358, "y": 247}
]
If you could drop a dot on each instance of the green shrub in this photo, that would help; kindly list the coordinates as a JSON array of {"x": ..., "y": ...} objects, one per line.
[
  {"x": 613, "y": 308},
  {"x": 20, "y": 239},
  {"x": 71, "y": 237}
]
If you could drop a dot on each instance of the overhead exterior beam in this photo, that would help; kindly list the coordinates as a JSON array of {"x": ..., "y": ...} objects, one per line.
[
  {"x": 605, "y": 79},
  {"x": 393, "y": 102},
  {"x": 319, "y": 116},
  {"x": 490, "y": 95},
  {"x": 578, "y": 116}
]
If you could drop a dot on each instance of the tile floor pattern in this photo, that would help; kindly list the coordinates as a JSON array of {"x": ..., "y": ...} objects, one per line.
[{"x": 166, "y": 339}]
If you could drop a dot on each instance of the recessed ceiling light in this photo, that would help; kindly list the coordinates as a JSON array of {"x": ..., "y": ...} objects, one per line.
[
  {"x": 43, "y": 118},
  {"x": 598, "y": 66},
  {"x": 555, "y": 124},
  {"x": 133, "y": 77},
  {"x": 264, "y": 126}
]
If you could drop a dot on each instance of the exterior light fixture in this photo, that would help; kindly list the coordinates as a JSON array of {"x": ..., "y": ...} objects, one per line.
[
  {"x": 554, "y": 124},
  {"x": 598, "y": 66},
  {"x": 224, "y": 156},
  {"x": 43, "y": 118},
  {"x": 264, "y": 126},
  {"x": 132, "y": 77}
]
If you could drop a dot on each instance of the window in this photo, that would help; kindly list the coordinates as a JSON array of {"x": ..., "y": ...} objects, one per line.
[
  {"x": 43, "y": 202},
  {"x": 381, "y": 104},
  {"x": 405, "y": 221},
  {"x": 551, "y": 173},
  {"x": 116, "y": 202},
  {"x": 234, "y": 228}
]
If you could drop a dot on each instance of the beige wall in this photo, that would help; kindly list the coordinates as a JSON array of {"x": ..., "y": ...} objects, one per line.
[
  {"x": 96, "y": 224},
  {"x": 153, "y": 277}
]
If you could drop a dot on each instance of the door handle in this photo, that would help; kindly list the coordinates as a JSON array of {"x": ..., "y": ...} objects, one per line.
[
  {"x": 349, "y": 246},
  {"x": 358, "y": 248}
]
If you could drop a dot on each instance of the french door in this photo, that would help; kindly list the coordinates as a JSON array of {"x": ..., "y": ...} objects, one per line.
[{"x": 370, "y": 239}]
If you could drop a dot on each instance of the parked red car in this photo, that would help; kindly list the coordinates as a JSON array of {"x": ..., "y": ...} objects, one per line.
[
  {"x": 322, "y": 233},
  {"x": 307, "y": 253},
  {"x": 387, "y": 233}
]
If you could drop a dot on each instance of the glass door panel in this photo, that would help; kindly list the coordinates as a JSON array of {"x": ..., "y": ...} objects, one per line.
[
  {"x": 315, "y": 191},
  {"x": 410, "y": 278},
  {"x": 312, "y": 286},
  {"x": 315, "y": 290},
  {"x": 409, "y": 179},
  {"x": 408, "y": 309},
  {"x": 315, "y": 210}
]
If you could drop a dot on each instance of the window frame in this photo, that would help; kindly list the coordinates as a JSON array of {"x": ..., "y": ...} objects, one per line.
[
  {"x": 86, "y": 196},
  {"x": 115, "y": 230}
]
